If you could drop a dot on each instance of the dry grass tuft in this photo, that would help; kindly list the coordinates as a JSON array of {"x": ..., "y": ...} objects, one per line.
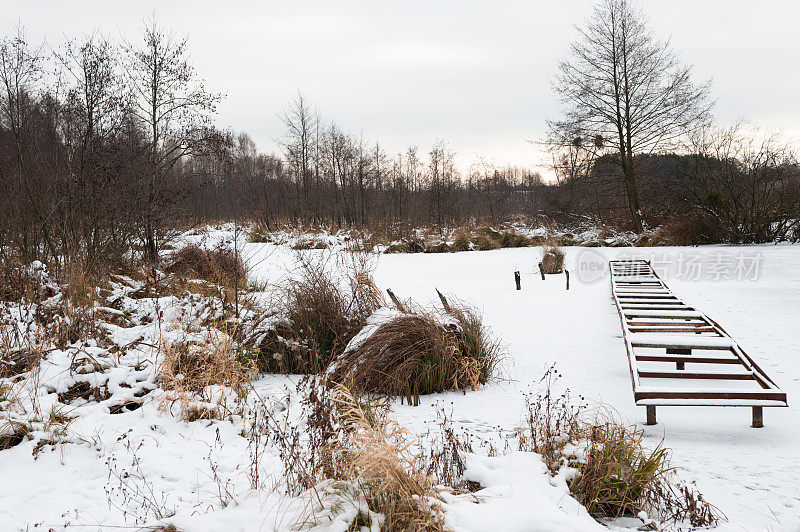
[
  {"x": 378, "y": 454},
  {"x": 552, "y": 259},
  {"x": 417, "y": 353},
  {"x": 461, "y": 242},
  {"x": 484, "y": 242},
  {"x": 189, "y": 369},
  {"x": 551, "y": 422},
  {"x": 324, "y": 311},
  {"x": 16, "y": 359},
  {"x": 220, "y": 266},
  {"x": 615, "y": 474}
]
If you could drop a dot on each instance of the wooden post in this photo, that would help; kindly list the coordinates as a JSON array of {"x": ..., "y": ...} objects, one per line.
[
  {"x": 758, "y": 417},
  {"x": 651, "y": 414},
  {"x": 517, "y": 280},
  {"x": 541, "y": 270},
  {"x": 679, "y": 351},
  {"x": 395, "y": 300},
  {"x": 445, "y": 304},
  {"x": 566, "y": 272}
]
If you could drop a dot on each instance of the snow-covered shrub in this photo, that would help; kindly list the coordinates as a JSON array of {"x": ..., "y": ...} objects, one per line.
[
  {"x": 617, "y": 476},
  {"x": 202, "y": 377},
  {"x": 413, "y": 353},
  {"x": 552, "y": 259},
  {"x": 484, "y": 242},
  {"x": 461, "y": 242},
  {"x": 323, "y": 309},
  {"x": 220, "y": 265}
]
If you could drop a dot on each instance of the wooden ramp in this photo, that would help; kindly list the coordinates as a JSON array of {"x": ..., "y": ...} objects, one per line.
[{"x": 677, "y": 355}]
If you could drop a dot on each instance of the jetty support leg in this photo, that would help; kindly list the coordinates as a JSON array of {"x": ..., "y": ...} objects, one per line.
[
  {"x": 651, "y": 414},
  {"x": 758, "y": 417}
]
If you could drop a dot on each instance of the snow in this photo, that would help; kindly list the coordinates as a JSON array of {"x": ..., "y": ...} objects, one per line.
[
  {"x": 750, "y": 474},
  {"x": 200, "y": 469}
]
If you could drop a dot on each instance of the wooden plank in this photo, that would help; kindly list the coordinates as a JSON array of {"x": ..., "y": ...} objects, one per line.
[
  {"x": 696, "y": 330},
  {"x": 645, "y": 374},
  {"x": 754, "y": 395},
  {"x": 690, "y": 359}
]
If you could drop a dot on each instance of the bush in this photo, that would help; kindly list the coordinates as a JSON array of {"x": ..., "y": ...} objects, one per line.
[
  {"x": 617, "y": 471},
  {"x": 485, "y": 243},
  {"x": 220, "y": 266},
  {"x": 461, "y": 243},
  {"x": 512, "y": 239},
  {"x": 687, "y": 231},
  {"x": 552, "y": 260},
  {"x": 191, "y": 373},
  {"x": 416, "y": 353},
  {"x": 322, "y": 311}
]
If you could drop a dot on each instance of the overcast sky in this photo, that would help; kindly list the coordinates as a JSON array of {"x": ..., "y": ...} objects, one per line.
[{"x": 476, "y": 74}]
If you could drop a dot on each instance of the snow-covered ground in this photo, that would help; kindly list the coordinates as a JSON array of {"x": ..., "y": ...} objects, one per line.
[
  {"x": 201, "y": 468},
  {"x": 752, "y": 475}
]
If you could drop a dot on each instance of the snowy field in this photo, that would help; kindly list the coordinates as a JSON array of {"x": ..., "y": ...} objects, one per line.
[{"x": 752, "y": 475}]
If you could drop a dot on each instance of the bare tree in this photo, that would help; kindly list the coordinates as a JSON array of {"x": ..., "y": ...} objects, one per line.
[
  {"x": 626, "y": 87},
  {"x": 175, "y": 107},
  {"x": 20, "y": 75},
  {"x": 741, "y": 186},
  {"x": 301, "y": 128}
]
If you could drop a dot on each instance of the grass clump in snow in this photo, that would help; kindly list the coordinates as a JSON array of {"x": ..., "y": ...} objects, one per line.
[
  {"x": 413, "y": 353},
  {"x": 378, "y": 455},
  {"x": 483, "y": 242},
  {"x": 617, "y": 473},
  {"x": 552, "y": 259},
  {"x": 323, "y": 311},
  {"x": 199, "y": 376},
  {"x": 609, "y": 468},
  {"x": 352, "y": 444},
  {"x": 221, "y": 265}
]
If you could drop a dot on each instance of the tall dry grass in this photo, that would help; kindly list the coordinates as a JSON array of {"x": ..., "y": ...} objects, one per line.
[
  {"x": 420, "y": 352},
  {"x": 552, "y": 259},
  {"x": 615, "y": 474},
  {"x": 325, "y": 305},
  {"x": 189, "y": 372}
]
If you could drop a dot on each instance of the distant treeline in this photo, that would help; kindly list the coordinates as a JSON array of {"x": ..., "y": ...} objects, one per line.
[{"x": 106, "y": 146}]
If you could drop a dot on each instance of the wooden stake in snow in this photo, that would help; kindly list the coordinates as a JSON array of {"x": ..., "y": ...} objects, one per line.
[
  {"x": 517, "y": 280},
  {"x": 566, "y": 272},
  {"x": 396, "y": 301},
  {"x": 445, "y": 304},
  {"x": 541, "y": 270}
]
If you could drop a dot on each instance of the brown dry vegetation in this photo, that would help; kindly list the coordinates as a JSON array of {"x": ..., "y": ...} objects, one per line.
[
  {"x": 187, "y": 369},
  {"x": 323, "y": 311},
  {"x": 418, "y": 353},
  {"x": 552, "y": 259},
  {"x": 618, "y": 476}
]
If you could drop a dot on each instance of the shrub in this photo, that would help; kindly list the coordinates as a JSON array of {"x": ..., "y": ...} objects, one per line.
[
  {"x": 416, "y": 353},
  {"x": 379, "y": 458},
  {"x": 512, "y": 239},
  {"x": 617, "y": 471},
  {"x": 192, "y": 366},
  {"x": 552, "y": 259},
  {"x": 484, "y": 243},
  {"x": 190, "y": 370},
  {"x": 221, "y": 265},
  {"x": 323, "y": 311},
  {"x": 441, "y": 247},
  {"x": 16, "y": 281},
  {"x": 612, "y": 473},
  {"x": 687, "y": 231},
  {"x": 461, "y": 242}
]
